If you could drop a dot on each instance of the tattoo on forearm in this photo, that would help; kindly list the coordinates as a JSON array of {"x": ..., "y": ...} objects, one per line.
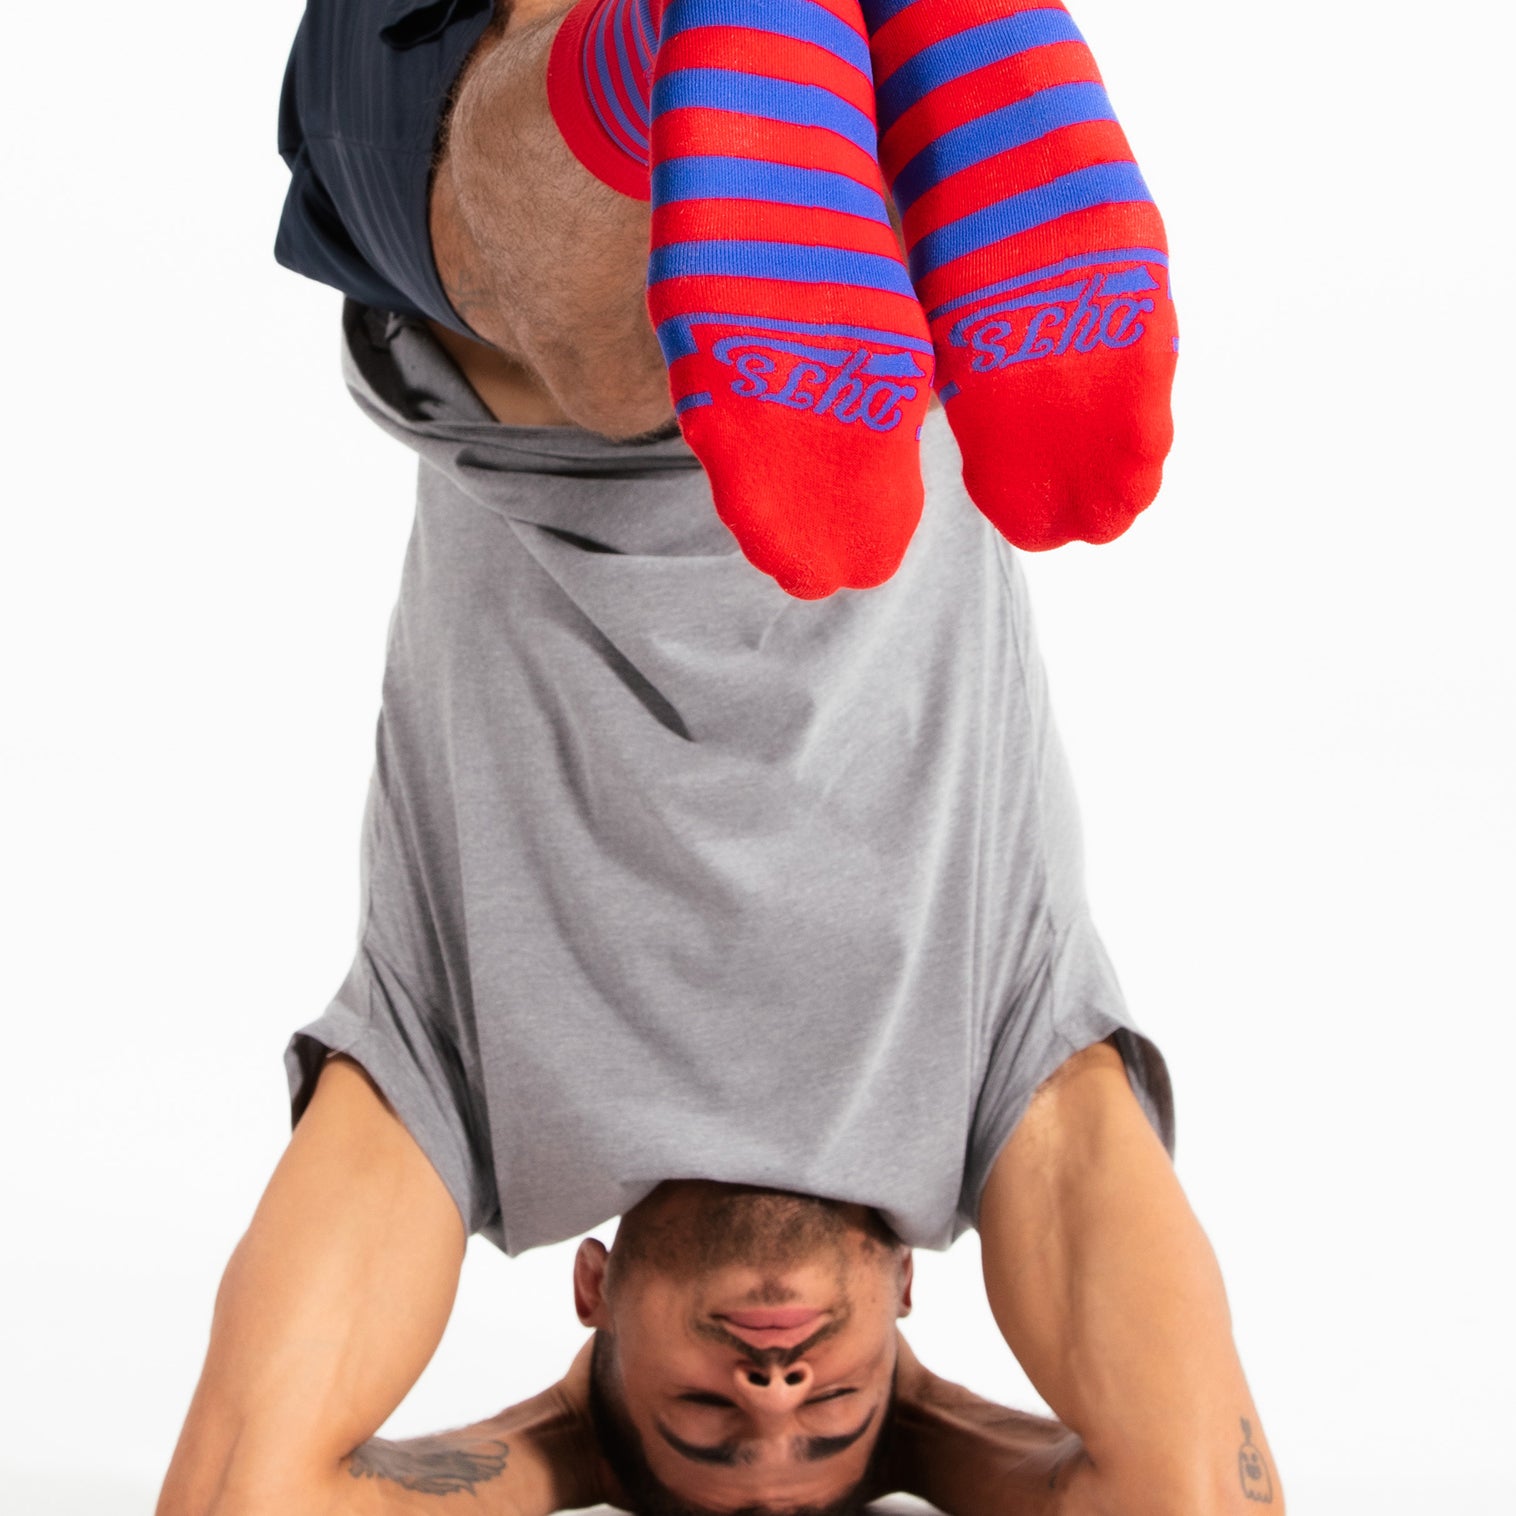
[
  {"x": 429, "y": 1465},
  {"x": 1256, "y": 1483}
]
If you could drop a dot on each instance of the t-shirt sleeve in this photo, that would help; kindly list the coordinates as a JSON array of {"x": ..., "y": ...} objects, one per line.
[
  {"x": 1071, "y": 1001},
  {"x": 393, "y": 1016}
]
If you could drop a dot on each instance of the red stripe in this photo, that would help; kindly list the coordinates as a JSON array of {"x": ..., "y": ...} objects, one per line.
[
  {"x": 929, "y": 21},
  {"x": 769, "y": 56},
  {"x": 699, "y": 131},
  {"x": 1011, "y": 173},
  {"x": 1135, "y": 224},
  {"x": 762, "y": 221},
  {"x": 1001, "y": 82}
]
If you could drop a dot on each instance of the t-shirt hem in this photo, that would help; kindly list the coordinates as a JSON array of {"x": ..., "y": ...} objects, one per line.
[
  {"x": 342, "y": 1030},
  {"x": 1080, "y": 1004}
]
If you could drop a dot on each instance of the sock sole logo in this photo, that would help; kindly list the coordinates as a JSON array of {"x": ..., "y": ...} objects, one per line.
[
  {"x": 1097, "y": 300},
  {"x": 782, "y": 363}
]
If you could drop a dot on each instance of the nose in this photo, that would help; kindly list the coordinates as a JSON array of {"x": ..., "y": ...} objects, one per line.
[{"x": 773, "y": 1391}]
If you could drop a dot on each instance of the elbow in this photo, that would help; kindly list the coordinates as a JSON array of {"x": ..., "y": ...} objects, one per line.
[
  {"x": 222, "y": 1468},
  {"x": 250, "y": 1493},
  {"x": 1219, "y": 1484}
]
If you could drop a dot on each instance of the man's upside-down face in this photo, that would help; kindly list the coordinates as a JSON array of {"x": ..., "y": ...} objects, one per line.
[{"x": 745, "y": 1345}]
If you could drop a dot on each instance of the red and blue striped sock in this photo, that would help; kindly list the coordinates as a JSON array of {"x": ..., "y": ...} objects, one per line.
[
  {"x": 799, "y": 359},
  {"x": 1039, "y": 257},
  {"x": 600, "y": 85}
]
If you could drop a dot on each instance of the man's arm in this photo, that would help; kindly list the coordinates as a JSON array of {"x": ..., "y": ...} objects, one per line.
[
  {"x": 1108, "y": 1293},
  {"x": 332, "y": 1304}
]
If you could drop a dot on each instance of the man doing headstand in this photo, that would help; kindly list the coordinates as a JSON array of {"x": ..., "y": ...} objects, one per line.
[{"x": 745, "y": 906}]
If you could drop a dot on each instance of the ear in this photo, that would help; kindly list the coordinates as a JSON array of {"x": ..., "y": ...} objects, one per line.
[
  {"x": 907, "y": 1278},
  {"x": 589, "y": 1283}
]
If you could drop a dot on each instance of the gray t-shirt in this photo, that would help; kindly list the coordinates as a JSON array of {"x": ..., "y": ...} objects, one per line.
[{"x": 666, "y": 874}]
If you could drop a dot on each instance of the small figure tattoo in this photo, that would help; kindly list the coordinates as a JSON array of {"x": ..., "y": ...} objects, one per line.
[
  {"x": 470, "y": 294},
  {"x": 429, "y": 1465},
  {"x": 1256, "y": 1483}
]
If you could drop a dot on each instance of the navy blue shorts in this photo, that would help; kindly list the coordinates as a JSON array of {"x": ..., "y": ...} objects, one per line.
[{"x": 364, "y": 94}]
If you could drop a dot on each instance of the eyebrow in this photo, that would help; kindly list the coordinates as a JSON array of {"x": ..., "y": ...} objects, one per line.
[{"x": 728, "y": 1454}]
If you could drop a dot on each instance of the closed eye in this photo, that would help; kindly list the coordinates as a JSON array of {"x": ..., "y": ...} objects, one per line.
[
  {"x": 705, "y": 1397},
  {"x": 728, "y": 1454}
]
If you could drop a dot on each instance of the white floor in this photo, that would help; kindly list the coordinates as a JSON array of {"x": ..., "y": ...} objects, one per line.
[
  {"x": 34, "y": 1492},
  {"x": 37, "y": 1493}
]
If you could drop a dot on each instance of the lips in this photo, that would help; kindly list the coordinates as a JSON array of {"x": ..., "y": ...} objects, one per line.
[
  {"x": 773, "y": 1330},
  {"x": 786, "y": 1320}
]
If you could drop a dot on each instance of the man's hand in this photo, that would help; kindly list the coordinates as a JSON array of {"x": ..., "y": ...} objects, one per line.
[
  {"x": 585, "y": 1477},
  {"x": 969, "y": 1456}
]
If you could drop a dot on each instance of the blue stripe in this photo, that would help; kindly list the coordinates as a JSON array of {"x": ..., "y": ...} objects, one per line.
[
  {"x": 729, "y": 89},
  {"x": 973, "y": 48},
  {"x": 1000, "y": 131},
  {"x": 692, "y": 402},
  {"x": 800, "y": 19},
  {"x": 1084, "y": 260},
  {"x": 1085, "y": 188},
  {"x": 712, "y": 178},
  {"x": 791, "y": 262},
  {"x": 676, "y": 340},
  {"x": 629, "y": 75},
  {"x": 806, "y": 22},
  {"x": 877, "y": 12},
  {"x": 603, "y": 68},
  {"x": 642, "y": 26}
]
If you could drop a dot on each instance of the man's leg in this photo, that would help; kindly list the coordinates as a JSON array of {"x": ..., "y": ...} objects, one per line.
[{"x": 541, "y": 259}]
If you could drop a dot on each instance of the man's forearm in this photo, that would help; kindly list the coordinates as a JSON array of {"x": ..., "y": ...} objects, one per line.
[
  {"x": 1111, "y": 1298},
  {"x": 529, "y": 1460},
  {"x": 520, "y": 1463}
]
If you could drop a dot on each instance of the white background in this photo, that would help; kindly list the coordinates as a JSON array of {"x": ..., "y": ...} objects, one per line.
[{"x": 1287, "y": 695}]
